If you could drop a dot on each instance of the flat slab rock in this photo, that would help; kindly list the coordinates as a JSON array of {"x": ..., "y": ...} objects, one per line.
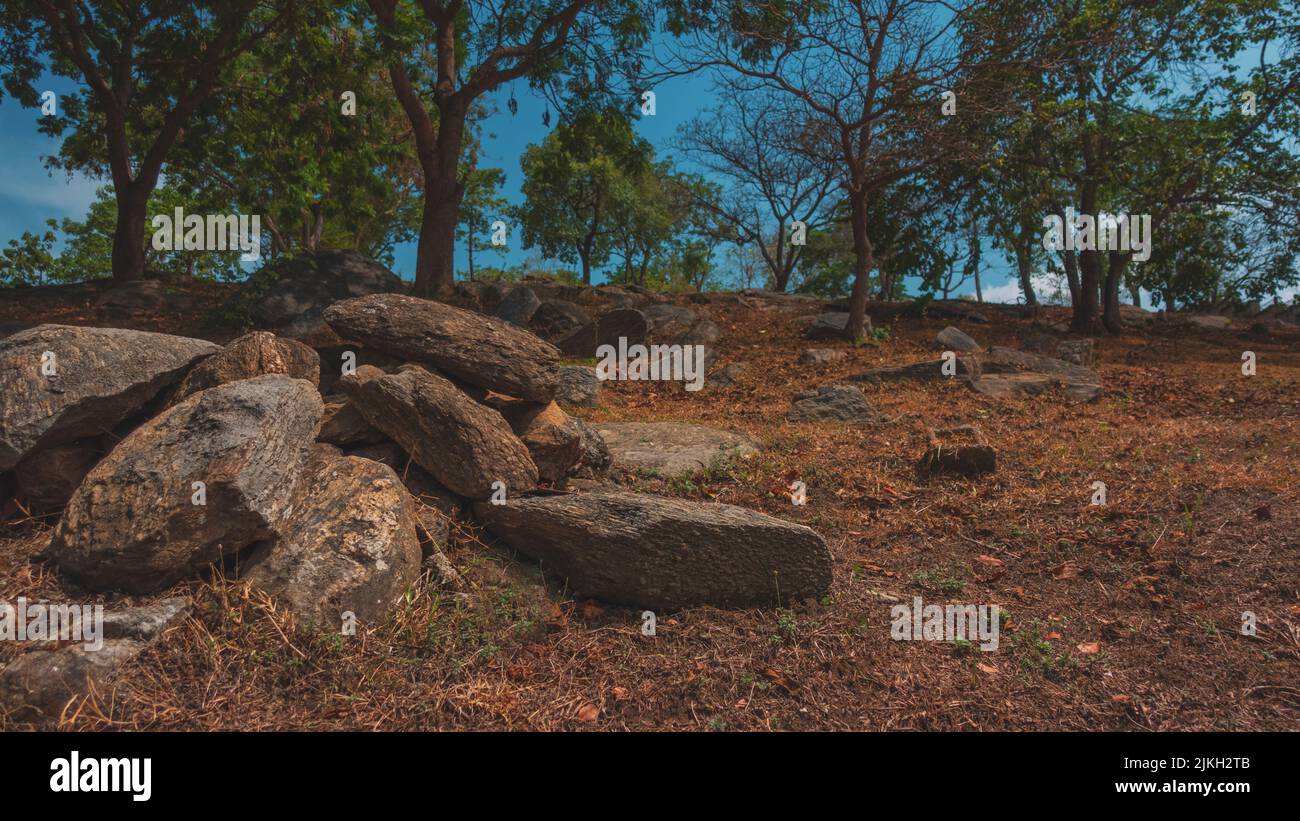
[
  {"x": 481, "y": 350},
  {"x": 102, "y": 376},
  {"x": 133, "y": 524},
  {"x": 41, "y": 682},
  {"x": 662, "y": 553},
  {"x": 672, "y": 448},
  {"x": 1006, "y": 372}
]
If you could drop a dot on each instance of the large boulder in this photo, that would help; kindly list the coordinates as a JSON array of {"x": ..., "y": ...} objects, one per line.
[
  {"x": 518, "y": 306},
  {"x": 955, "y": 339},
  {"x": 101, "y": 377},
  {"x": 830, "y": 325},
  {"x": 670, "y": 449},
  {"x": 349, "y": 546},
  {"x": 290, "y": 296},
  {"x": 480, "y": 350},
  {"x": 554, "y": 318},
  {"x": 579, "y": 386},
  {"x": 252, "y": 355},
  {"x": 465, "y": 445},
  {"x": 621, "y": 324},
  {"x": 134, "y": 524},
  {"x": 1008, "y": 372},
  {"x": 662, "y": 553}
]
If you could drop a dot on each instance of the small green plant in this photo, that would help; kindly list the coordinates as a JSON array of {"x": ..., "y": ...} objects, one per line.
[{"x": 787, "y": 626}]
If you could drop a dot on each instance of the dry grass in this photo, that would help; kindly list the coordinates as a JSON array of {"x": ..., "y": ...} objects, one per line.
[{"x": 1201, "y": 525}]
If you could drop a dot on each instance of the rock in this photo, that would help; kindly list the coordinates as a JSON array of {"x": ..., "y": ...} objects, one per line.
[
  {"x": 725, "y": 376},
  {"x": 961, "y": 450},
  {"x": 621, "y": 323},
  {"x": 132, "y": 524},
  {"x": 667, "y": 321},
  {"x": 661, "y": 553},
  {"x": 435, "y": 508},
  {"x": 704, "y": 332},
  {"x": 350, "y": 545},
  {"x": 290, "y": 295},
  {"x": 579, "y": 386},
  {"x": 930, "y": 370},
  {"x": 463, "y": 444},
  {"x": 953, "y": 339},
  {"x": 343, "y": 425},
  {"x": 594, "y": 460},
  {"x": 830, "y": 326},
  {"x": 1031, "y": 372},
  {"x": 252, "y": 355},
  {"x": 147, "y": 622},
  {"x": 518, "y": 306},
  {"x": 1213, "y": 323},
  {"x": 556, "y": 318},
  {"x": 671, "y": 449},
  {"x": 579, "y": 343},
  {"x": 822, "y": 356},
  {"x": 480, "y": 350},
  {"x": 551, "y": 436},
  {"x": 47, "y": 479},
  {"x": 959, "y": 309},
  {"x": 41, "y": 682},
  {"x": 333, "y": 359},
  {"x": 1075, "y": 351},
  {"x": 102, "y": 377},
  {"x": 833, "y": 403}
]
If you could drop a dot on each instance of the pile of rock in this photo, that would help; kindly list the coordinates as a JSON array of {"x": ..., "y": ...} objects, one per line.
[{"x": 190, "y": 455}]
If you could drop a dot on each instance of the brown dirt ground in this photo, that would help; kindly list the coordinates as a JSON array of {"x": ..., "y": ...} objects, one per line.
[{"x": 1119, "y": 617}]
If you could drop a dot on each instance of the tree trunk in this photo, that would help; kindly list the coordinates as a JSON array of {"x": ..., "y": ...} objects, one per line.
[
  {"x": 128, "y": 234},
  {"x": 1114, "y": 273},
  {"x": 1024, "y": 265},
  {"x": 863, "y": 262},
  {"x": 1072, "y": 275}
]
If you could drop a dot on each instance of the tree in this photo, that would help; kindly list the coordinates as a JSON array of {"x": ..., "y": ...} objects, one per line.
[
  {"x": 758, "y": 145},
  {"x": 478, "y": 46},
  {"x": 146, "y": 70},
  {"x": 482, "y": 201},
  {"x": 576, "y": 181},
  {"x": 312, "y": 140},
  {"x": 866, "y": 75}
]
